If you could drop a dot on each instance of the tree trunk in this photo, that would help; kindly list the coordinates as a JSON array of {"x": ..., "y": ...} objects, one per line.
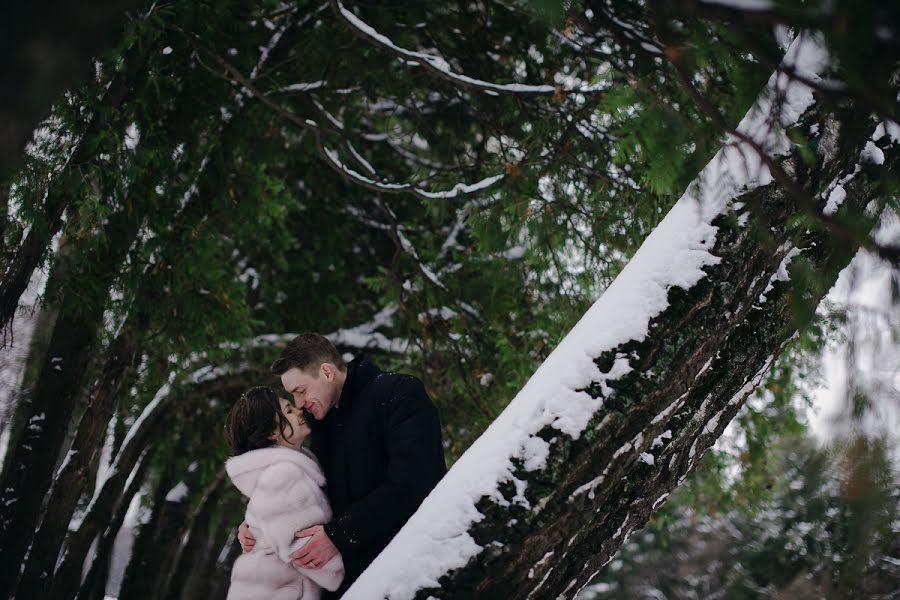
[
  {"x": 219, "y": 576},
  {"x": 95, "y": 578},
  {"x": 194, "y": 555},
  {"x": 620, "y": 413},
  {"x": 121, "y": 360},
  {"x": 77, "y": 544},
  {"x": 51, "y": 397},
  {"x": 72, "y": 478},
  {"x": 153, "y": 553}
]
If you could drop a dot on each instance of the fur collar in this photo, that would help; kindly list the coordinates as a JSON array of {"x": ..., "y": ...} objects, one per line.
[{"x": 245, "y": 469}]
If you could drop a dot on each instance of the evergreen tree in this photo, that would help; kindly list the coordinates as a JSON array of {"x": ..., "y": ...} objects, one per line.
[{"x": 448, "y": 187}]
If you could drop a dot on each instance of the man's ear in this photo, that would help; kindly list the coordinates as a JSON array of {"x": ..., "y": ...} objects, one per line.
[{"x": 328, "y": 371}]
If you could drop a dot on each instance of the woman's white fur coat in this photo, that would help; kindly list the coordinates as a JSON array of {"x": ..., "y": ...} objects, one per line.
[{"x": 285, "y": 491}]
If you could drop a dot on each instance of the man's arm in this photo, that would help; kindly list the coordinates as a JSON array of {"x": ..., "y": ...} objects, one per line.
[{"x": 414, "y": 452}]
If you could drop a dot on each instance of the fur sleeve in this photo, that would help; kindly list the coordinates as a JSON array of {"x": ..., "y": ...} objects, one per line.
[{"x": 285, "y": 501}]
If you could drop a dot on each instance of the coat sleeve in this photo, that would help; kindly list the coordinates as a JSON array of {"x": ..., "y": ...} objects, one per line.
[
  {"x": 285, "y": 501},
  {"x": 415, "y": 462}
]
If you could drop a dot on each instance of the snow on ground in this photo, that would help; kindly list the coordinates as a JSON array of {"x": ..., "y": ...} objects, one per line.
[{"x": 436, "y": 539}]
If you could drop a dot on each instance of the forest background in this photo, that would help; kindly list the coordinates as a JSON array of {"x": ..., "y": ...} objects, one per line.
[{"x": 207, "y": 179}]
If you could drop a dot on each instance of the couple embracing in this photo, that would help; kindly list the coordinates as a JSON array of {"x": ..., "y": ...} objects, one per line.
[{"x": 317, "y": 517}]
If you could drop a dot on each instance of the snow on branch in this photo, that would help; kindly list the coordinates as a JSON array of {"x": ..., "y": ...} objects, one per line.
[
  {"x": 360, "y": 337},
  {"x": 334, "y": 125},
  {"x": 441, "y": 68},
  {"x": 460, "y": 189}
]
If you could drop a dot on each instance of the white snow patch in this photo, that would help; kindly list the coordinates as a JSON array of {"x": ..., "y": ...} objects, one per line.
[
  {"x": 535, "y": 451},
  {"x": 872, "y": 154},
  {"x": 749, "y": 5},
  {"x": 835, "y": 199},
  {"x": 781, "y": 274},
  {"x": 132, "y": 136},
  {"x": 178, "y": 493},
  {"x": 658, "y": 440}
]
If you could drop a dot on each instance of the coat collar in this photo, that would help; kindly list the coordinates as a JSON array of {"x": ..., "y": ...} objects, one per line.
[
  {"x": 360, "y": 372},
  {"x": 245, "y": 469}
]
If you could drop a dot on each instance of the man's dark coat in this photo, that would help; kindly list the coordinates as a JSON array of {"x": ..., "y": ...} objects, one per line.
[{"x": 381, "y": 451}]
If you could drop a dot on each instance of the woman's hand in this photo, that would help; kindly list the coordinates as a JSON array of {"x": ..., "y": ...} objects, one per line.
[
  {"x": 317, "y": 551},
  {"x": 245, "y": 537}
]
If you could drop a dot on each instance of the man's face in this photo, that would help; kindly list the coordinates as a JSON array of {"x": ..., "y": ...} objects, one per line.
[{"x": 315, "y": 391}]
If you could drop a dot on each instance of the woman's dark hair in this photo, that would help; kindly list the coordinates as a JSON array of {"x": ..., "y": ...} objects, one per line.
[{"x": 253, "y": 418}]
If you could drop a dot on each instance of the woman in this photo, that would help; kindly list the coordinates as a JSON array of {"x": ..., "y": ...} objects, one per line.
[{"x": 283, "y": 482}]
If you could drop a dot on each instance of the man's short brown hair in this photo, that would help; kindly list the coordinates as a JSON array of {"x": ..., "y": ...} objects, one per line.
[{"x": 307, "y": 350}]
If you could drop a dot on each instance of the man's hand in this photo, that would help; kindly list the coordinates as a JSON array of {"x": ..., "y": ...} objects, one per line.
[
  {"x": 317, "y": 551},
  {"x": 245, "y": 537}
]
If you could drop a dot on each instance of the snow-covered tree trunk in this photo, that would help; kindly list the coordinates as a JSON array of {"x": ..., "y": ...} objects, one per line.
[
  {"x": 627, "y": 404},
  {"x": 43, "y": 416},
  {"x": 197, "y": 548},
  {"x": 71, "y": 478},
  {"x": 110, "y": 497}
]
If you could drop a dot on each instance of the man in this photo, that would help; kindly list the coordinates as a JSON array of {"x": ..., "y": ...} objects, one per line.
[{"x": 378, "y": 438}]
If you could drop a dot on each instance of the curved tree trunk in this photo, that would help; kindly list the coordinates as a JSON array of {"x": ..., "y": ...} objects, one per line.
[
  {"x": 94, "y": 581},
  {"x": 155, "y": 540},
  {"x": 624, "y": 409},
  {"x": 199, "y": 547}
]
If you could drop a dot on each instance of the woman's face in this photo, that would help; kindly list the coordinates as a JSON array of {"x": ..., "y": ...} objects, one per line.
[{"x": 291, "y": 439}]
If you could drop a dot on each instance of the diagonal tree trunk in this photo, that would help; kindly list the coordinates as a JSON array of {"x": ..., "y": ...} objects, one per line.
[
  {"x": 72, "y": 477},
  {"x": 624, "y": 409},
  {"x": 153, "y": 553},
  {"x": 95, "y": 578},
  {"x": 193, "y": 554}
]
